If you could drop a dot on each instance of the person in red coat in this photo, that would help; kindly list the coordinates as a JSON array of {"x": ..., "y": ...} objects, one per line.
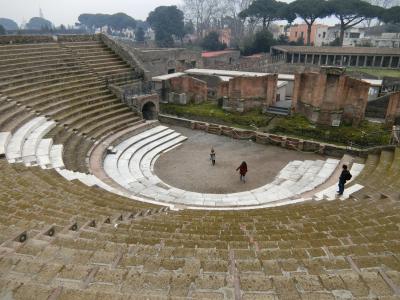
[{"x": 242, "y": 170}]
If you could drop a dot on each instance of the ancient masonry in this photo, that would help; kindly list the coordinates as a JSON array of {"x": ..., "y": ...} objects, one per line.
[{"x": 330, "y": 97}]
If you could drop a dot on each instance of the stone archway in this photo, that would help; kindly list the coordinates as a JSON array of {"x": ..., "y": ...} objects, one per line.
[{"x": 149, "y": 111}]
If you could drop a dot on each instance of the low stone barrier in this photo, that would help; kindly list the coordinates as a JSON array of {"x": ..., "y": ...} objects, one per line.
[
  {"x": 49, "y": 38},
  {"x": 306, "y": 146}
]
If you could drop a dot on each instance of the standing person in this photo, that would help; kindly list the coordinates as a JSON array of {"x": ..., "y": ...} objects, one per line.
[
  {"x": 344, "y": 176},
  {"x": 242, "y": 170},
  {"x": 212, "y": 156}
]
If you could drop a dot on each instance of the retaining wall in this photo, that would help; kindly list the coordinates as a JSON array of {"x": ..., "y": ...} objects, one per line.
[{"x": 272, "y": 139}]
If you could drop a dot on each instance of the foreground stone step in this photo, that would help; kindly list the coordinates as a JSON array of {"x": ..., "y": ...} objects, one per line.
[{"x": 330, "y": 192}]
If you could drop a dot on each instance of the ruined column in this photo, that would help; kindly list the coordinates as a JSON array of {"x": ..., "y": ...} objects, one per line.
[
  {"x": 390, "y": 61},
  {"x": 373, "y": 61},
  {"x": 319, "y": 60},
  {"x": 393, "y": 109},
  {"x": 357, "y": 60},
  {"x": 365, "y": 60},
  {"x": 292, "y": 58}
]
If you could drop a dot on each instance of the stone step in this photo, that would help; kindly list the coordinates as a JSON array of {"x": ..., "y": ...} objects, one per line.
[
  {"x": 4, "y": 140},
  {"x": 43, "y": 153},
  {"x": 135, "y": 152},
  {"x": 278, "y": 110},
  {"x": 15, "y": 145},
  {"x": 134, "y": 162},
  {"x": 56, "y": 156},
  {"x": 30, "y": 146},
  {"x": 149, "y": 158},
  {"x": 330, "y": 192}
]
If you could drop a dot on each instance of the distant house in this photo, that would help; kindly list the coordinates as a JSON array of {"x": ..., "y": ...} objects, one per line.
[
  {"x": 386, "y": 39},
  {"x": 299, "y": 31},
  {"x": 352, "y": 36}
]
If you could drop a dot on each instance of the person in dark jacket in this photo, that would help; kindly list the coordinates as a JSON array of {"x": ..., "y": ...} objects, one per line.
[
  {"x": 242, "y": 170},
  {"x": 344, "y": 176}
]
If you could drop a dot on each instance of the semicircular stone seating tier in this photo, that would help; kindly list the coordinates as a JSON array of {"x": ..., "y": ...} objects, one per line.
[{"x": 131, "y": 165}]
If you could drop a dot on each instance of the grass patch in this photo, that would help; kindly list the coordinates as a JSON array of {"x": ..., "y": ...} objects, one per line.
[
  {"x": 211, "y": 112},
  {"x": 366, "y": 135},
  {"x": 376, "y": 72}
]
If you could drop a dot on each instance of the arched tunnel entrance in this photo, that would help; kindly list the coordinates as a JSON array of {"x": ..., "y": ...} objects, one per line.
[{"x": 149, "y": 111}]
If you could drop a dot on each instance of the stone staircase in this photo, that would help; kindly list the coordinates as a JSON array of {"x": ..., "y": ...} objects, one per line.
[
  {"x": 64, "y": 82},
  {"x": 276, "y": 110}
]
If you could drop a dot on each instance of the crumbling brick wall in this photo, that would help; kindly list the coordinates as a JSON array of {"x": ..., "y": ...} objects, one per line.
[
  {"x": 330, "y": 97},
  {"x": 393, "y": 111},
  {"x": 223, "y": 89},
  {"x": 355, "y": 99},
  {"x": 195, "y": 89},
  {"x": 245, "y": 93}
]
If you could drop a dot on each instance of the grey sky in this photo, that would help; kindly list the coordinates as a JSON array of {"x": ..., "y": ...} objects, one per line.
[{"x": 67, "y": 11}]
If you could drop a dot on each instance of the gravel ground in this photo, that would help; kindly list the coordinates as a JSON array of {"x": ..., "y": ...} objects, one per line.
[{"x": 189, "y": 167}]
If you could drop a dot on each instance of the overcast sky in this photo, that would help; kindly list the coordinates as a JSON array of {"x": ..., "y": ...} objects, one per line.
[{"x": 67, "y": 11}]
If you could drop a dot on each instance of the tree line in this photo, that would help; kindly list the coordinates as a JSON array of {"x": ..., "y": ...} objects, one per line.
[
  {"x": 349, "y": 12},
  {"x": 241, "y": 16}
]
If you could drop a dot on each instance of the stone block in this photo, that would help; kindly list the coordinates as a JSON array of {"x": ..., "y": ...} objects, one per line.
[
  {"x": 212, "y": 281},
  {"x": 354, "y": 284},
  {"x": 255, "y": 283}
]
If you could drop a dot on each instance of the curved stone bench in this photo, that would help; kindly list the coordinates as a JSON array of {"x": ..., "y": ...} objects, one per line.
[
  {"x": 16, "y": 143},
  {"x": 132, "y": 168}
]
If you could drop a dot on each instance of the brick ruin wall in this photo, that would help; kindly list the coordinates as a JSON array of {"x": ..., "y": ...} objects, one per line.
[
  {"x": 393, "y": 111},
  {"x": 329, "y": 98},
  {"x": 246, "y": 93},
  {"x": 355, "y": 100},
  {"x": 213, "y": 85},
  {"x": 195, "y": 90}
]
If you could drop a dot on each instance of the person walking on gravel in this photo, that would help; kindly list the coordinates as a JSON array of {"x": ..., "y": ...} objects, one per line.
[
  {"x": 242, "y": 170},
  {"x": 212, "y": 156}
]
